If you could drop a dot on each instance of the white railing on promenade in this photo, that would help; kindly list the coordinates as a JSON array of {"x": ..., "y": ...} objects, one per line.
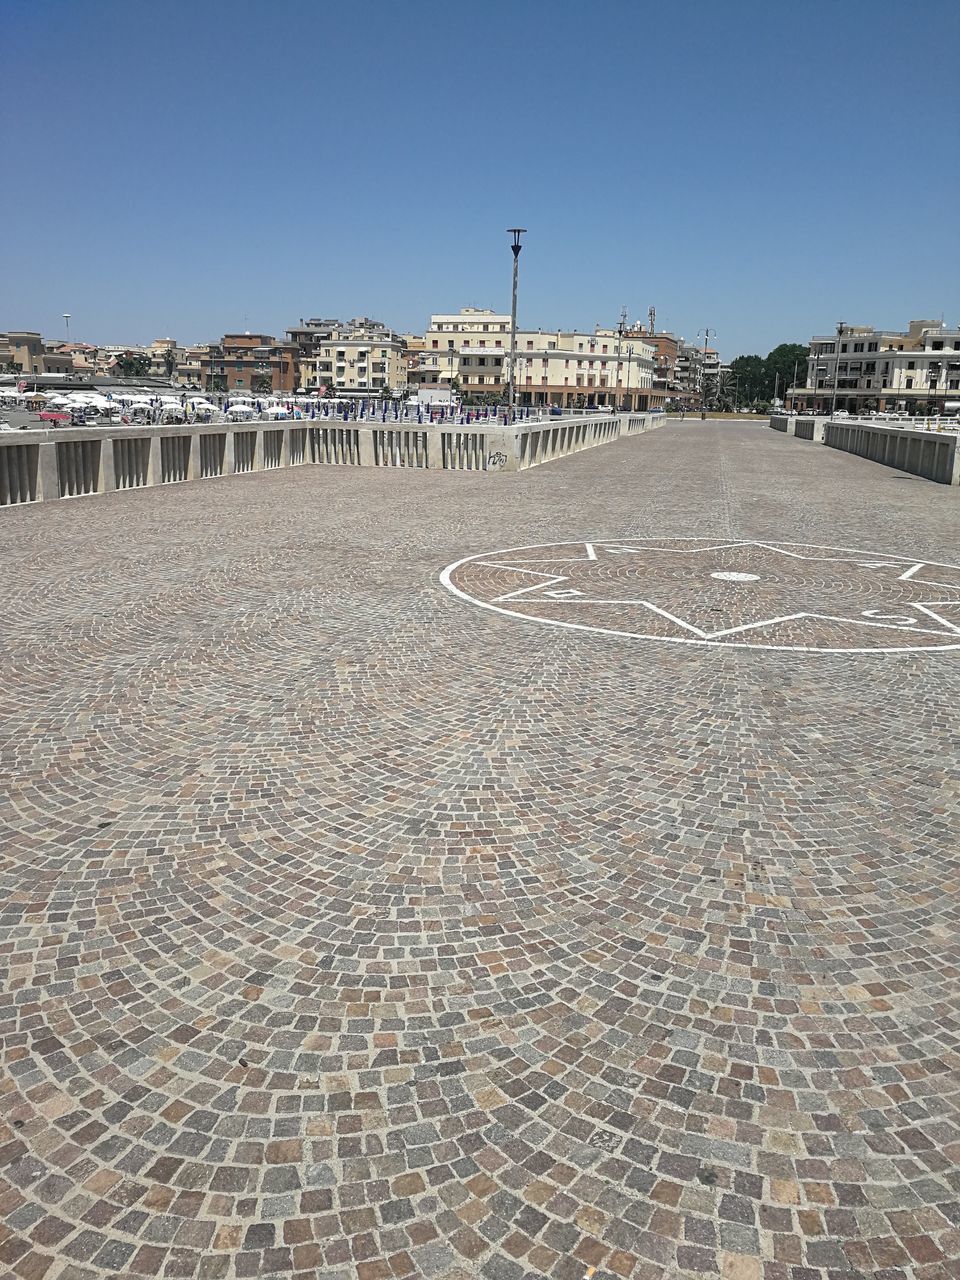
[
  {"x": 39, "y": 465},
  {"x": 932, "y": 452}
]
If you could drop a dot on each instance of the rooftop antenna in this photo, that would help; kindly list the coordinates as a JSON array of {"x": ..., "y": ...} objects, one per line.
[{"x": 652, "y": 315}]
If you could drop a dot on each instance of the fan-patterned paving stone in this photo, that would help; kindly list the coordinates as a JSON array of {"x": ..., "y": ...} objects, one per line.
[{"x": 351, "y": 928}]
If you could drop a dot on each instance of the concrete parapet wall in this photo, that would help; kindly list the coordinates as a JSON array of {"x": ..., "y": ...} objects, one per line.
[
  {"x": 932, "y": 455},
  {"x": 41, "y": 465},
  {"x": 922, "y": 453}
]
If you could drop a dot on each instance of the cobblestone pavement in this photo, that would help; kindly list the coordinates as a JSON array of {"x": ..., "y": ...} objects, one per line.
[{"x": 349, "y": 928}]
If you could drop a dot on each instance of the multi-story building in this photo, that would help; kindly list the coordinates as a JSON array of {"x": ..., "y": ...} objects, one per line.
[
  {"x": 414, "y": 345},
  {"x": 689, "y": 370},
  {"x": 665, "y": 347},
  {"x": 465, "y": 351},
  {"x": 190, "y": 365},
  {"x": 253, "y": 362},
  {"x": 310, "y": 335},
  {"x": 470, "y": 351},
  {"x": 164, "y": 356},
  {"x": 354, "y": 358},
  {"x": 25, "y": 350},
  {"x": 912, "y": 372}
]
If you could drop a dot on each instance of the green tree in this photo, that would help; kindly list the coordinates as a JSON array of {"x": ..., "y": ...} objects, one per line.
[
  {"x": 785, "y": 360},
  {"x": 759, "y": 377},
  {"x": 169, "y": 361},
  {"x": 132, "y": 365},
  {"x": 725, "y": 395},
  {"x": 749, "y": 376},
  {"x": 261, "y": 383}
]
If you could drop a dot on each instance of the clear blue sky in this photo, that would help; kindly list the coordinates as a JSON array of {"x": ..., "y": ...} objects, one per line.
[{"x": 761, "y": 167}]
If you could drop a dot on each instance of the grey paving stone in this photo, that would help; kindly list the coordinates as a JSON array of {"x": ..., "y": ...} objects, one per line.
[{"x": 350, "y": 929}]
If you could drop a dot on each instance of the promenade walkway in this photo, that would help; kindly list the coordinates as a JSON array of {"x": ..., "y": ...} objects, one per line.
[{"x": 413, "y": 874}]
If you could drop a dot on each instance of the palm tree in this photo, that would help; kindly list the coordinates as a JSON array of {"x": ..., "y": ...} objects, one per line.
[{"x": 725, "y": 393}]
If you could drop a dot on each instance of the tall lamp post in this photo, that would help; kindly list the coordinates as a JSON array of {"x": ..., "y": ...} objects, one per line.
[
  {"x": 66, "y": 320},
  {"x": 836, "y": 368},
  {"x": 707, "y": 334},
  {"x": 516, "y": 232}
]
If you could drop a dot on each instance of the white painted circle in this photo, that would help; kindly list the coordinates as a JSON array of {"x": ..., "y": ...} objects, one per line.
[{"x": 811, "y": 599}]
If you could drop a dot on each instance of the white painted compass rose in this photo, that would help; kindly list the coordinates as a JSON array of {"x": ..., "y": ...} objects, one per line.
[{"x": 745, "y": 594}]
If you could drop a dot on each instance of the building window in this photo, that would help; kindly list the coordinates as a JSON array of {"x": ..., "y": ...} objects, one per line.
[
  {"x": 909, "y": 384},
  {"x": 843, "y": 347},
  {"x": 937, "y": 346},
  {"x": 857, "y": 346},
  {"x": 871, "y": 346},
  {"x": 529, "y": 346},
  {"x": 911, "y": 364}
]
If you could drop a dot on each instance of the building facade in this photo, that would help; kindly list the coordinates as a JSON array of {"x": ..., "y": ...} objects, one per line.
[
  {"x": 353, "y": 359},
  {"x": 251, "y": 362},
  {"x": 26, "y": 350},
  {"x": 469, "y": 351},
  {"x": 915, "y": 372}
]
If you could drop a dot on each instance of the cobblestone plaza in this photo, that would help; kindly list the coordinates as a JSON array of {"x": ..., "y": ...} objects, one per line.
[{"x": 415, "y": 874}]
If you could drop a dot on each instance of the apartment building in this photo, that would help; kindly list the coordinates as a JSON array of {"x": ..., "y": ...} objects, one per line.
[
  {"x": 354, "y": 358},
  {"x": 466, "y": 351},
  {"x": 252, "y": 362},
  {"x": 25, "y": 351},
  {"x": 912, "y": 371},
  {"x": 470, "y": 350}
]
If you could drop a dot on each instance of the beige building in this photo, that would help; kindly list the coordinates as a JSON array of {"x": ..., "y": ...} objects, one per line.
[
  {"x": 916, "y": 371},
  {"x": 26, "y": 350},
  {"x": 354, "y": 358},
  {"x": 470, "y": 350}
]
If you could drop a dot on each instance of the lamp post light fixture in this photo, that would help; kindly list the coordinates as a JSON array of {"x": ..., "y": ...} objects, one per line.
[
  {"x": 841, "y": 329},
  {"x": 516, "y": 233},
  {"x": 66, "y": 320},
  {"x": 707, "y": 334}
]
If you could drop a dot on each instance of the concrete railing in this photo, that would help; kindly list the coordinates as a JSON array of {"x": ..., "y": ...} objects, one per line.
[
  {"x": 932, "y": 455},
  {"x": 42, "y": 465}
]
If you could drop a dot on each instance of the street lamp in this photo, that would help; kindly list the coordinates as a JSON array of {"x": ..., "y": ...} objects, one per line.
[
  {"x": 516, "y": 233},
  {"x": 706, "y": 334},
  {"x": 66, "y": 319},
  {"x": 836, "y": 368}
]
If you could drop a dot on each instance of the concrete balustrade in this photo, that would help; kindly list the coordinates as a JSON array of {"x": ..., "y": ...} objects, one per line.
[
  {"x": 42, "y": 465},
  {"x": 934, "y": 455}
]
